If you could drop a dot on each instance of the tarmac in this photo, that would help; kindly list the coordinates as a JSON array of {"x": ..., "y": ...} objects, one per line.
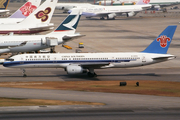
[{"x": 119, "y": 35}]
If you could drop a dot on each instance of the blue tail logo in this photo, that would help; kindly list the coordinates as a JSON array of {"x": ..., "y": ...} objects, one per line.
[
  {"x": 163, "y": 40},
  {"x": 70, "y": 23},
  {"x": 161, "y": 44}
]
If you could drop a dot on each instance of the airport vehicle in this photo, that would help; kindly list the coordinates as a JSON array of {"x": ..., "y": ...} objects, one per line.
[
  {"x": 112, "y": 11},
  {"x": 27, "y": 43},
  {"x": 3, "y": 7},
  {"x": 78, "y": 63},
  {"x": 41, "y": 21},
  {"x": 67, "y": 6},
  {"x": 24, "y": 11},
  {"x": 156, "y": 4}
]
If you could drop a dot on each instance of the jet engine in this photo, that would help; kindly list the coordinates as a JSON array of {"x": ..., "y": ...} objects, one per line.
[
  {"x": 73, "y": 69},
  {"x": 130, "y": 14},
  {"x": 111, "y": 16},
  {"x": 156, "y": 7}
]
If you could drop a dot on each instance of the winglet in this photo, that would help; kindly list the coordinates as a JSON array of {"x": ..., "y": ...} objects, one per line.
[
  {"x": 26, "y": 9},
  {"x": 70, "y": 23},
  {"x": 4, "y": 4},
  {"x": 161, "y": 44},
  {"x": 143, "y": 2}
]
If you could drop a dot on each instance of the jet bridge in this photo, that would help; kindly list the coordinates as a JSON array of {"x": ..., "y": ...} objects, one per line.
[{"x": 50, "y": 41}]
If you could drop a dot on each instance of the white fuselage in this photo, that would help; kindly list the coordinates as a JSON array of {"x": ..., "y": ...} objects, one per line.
[
  {"x": 103, "y": 11},
  {"x": 68, "y": 6},
  {"x": 10, "y": 20},
  {"x": 34, "y": 42},
  {"x": 153, "y": 2},
  {"x": 62, "y": 60}
]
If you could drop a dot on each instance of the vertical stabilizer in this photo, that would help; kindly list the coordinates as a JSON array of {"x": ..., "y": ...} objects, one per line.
[
  {"x": 42, "y": 15},
  {"x": 70, "y": 24},
  {"x": 143, "y": 2},
  {"x": 161, "y": 43},
  {"x": 4, "y": 4},
  {"x": 26, "y": 9}
]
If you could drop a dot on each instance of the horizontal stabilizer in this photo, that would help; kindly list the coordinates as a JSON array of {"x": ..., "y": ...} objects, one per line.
[
  {"x": 164, "y": 58},
  {"x": 42, "y": 28},
  {"x": 67, "y": 38}
]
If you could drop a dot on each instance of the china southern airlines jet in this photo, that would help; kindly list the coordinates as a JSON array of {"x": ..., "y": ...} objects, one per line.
[
  {"x": 27, "y": 43},
  {"x": 77, "y": 63},
  {"x": 22, "y": 12},
  {"x": 3, "y": 7}
]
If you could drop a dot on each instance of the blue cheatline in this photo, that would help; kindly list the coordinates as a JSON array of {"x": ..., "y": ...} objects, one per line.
[{"x": 161, "y": 44}]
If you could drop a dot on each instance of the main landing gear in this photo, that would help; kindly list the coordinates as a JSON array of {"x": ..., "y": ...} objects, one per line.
[
  {"x": 91, "y": 73},
  {"x": 24, "y": 72},
  {"x": 52, "y": 49}
]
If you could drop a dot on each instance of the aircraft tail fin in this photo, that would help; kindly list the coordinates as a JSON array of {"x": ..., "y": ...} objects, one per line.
[
  {"x": 26, "y": 9},
  {"x": 42, "y": 15},
  {"x": 143, "y": 2},
  {"x": 4, "y": 4},
  {"x": 70, "y": 23},
  {"x": 161, "y": 44}
]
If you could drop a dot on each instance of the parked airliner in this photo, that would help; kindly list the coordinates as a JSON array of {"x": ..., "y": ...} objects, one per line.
[
  {"x": 36, "y": 22},
  {"x": 78, "y": 63},
  {"x": 27, "y": 43},
  {"x": 3, "y": 7},
  {"x": 22, "y": 12},
  {"x": 157, "y": 4},
  {"x": 112, "y": 11}
]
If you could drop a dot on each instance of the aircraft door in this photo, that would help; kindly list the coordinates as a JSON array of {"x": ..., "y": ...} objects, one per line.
[
  {"x": 143, "y": 59},
  {"x": 55, "y": 60},
  {"x": 22, "y": 61},
  {"x": 113, "y": 60}
]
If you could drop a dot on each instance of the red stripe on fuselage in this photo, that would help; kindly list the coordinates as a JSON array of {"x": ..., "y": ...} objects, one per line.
[{"x": 22, "y": 32}]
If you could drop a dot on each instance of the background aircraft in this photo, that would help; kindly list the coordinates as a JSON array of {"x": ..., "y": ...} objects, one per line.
[
  {"x": 156, "y": 4},
  {"x": 112, "y": 11},
  {"x": 78, "y": 63},
  {"x": 28, "y": 43},
  {"x": 24, "y": 11},
  {"x": 3, "y": 7},
  {"x": 36, "y": 22},
  {"x": 67, "y": 6}
]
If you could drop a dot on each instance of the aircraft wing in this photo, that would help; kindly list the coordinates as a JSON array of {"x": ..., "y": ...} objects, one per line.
[
  {"x": 166, "y": 5},
  {"x": 12, "y": 46},
  {"x": 2, "y": 12},
  {"x": 67, "y": 38},
  {"x": 93, "y": 65}
]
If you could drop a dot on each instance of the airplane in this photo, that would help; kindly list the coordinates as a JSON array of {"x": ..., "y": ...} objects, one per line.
[
  {"x": 112, "y": 11},
  {"x": 78, "y": 63},
  {"x": 67, "y": 6},
  {"x": 156, "y": 4},
  {"x": 24, "y": 11},
  {"x": 36, "y": 22},
  {"x": 27, "y": 43},
  {"x": 3, "y": 7}
]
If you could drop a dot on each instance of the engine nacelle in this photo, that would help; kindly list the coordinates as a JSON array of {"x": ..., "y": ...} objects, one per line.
[
  {"x": 131, "y": 14},
  {"x": 111, "y": 16},
  {"x": 157, "y": 7},
  {"x": 72, "y": 69}
]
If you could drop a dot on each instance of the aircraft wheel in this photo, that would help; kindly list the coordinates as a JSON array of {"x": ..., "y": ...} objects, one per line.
[{"x": 24, "y": 75}]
